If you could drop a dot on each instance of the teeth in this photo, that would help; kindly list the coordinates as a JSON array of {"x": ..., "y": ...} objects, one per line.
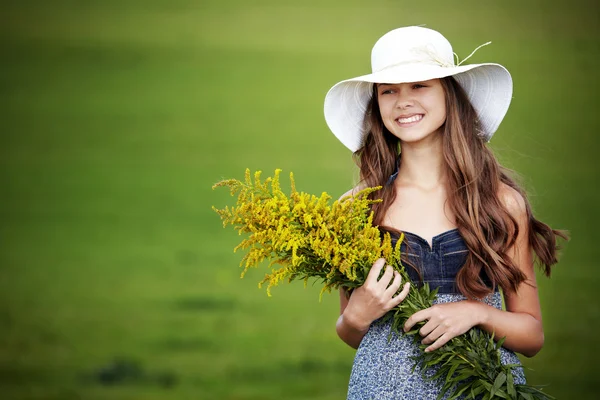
[{"x": 414, "y": 118}]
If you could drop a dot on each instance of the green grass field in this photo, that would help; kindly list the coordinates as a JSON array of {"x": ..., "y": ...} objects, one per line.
[{"x": 116, "y": 278}]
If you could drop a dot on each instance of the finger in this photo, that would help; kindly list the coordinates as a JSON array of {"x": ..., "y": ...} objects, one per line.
[
  {"x": 374, "y": 272},
  {"x": 387, "y": 277},
  {"x": 442, "y": 340},
  {"x": 401, "y": 296},
  {"x": 415, "y": 318},
  {"x": 427, "y": 328},
  {"x": 394, "y": 286},
  {"x": 431, "y": 333}
]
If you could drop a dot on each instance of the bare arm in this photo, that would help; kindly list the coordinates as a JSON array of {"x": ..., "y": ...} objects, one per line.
[
  {"x": 347, "y": 330},
  {"x": 521, "y": 323}
]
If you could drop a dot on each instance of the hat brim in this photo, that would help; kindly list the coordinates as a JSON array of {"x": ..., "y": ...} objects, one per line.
[{"x": 488, "y": 87}]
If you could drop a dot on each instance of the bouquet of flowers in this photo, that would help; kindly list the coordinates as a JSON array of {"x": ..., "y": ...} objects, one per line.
[{"x": 305, "y": 236}]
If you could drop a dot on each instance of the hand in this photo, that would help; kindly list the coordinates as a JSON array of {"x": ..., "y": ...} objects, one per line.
[
  {"x": 375, "y": 297},
  {"x": 445, "y": 321}
]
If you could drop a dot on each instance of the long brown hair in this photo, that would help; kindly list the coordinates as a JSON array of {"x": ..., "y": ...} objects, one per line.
[{"x": 474, "y": 180}]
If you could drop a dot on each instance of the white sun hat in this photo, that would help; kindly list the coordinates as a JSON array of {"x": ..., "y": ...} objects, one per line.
[{"x": 415, "y": 54}]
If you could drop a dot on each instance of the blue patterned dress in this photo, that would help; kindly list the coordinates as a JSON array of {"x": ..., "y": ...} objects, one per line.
[{"x": 382, "y": 367}]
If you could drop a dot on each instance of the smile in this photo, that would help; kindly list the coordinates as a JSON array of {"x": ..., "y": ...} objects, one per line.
[{"x": 411, "y": 119}]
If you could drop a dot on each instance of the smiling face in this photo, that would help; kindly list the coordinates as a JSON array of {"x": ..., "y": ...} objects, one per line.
[{"x": 412, "y": 111}]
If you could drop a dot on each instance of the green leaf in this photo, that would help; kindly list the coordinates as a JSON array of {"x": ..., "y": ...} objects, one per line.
[
  {"x": 510, "y": 387},
  {"x": 477, "y": 388},
  {"x": 526, "y": 396},
  {"x": 451, "y": 371},
  {"x": 499, "y": 381},
  {"x": 460, "y": 390},
  {"x": 411, "y": 304},
  {"x": 464, "y": 375},
  {"x": 500, "y": 342},
  {"x": 532, "y": 392},
  {"x": 487, "y": 385}
]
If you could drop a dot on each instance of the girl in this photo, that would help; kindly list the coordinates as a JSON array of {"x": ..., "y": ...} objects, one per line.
[{"x": 418, "y": 127}]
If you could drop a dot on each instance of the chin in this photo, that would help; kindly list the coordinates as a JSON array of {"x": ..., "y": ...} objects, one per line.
[{"x": 416, "y": 138}]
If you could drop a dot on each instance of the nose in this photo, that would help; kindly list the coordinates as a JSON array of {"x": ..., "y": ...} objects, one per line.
[{"x": 404, "y": 99}]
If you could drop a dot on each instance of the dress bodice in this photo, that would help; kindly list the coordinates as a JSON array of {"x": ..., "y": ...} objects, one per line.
[{"x": 436, "y": 264}]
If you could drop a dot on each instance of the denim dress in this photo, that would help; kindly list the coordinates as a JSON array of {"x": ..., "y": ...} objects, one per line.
[{"x": 382, "y": 365}]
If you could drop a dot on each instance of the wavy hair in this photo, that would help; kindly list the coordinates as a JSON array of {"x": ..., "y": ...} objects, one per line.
[{"x": 473, "y": 184}]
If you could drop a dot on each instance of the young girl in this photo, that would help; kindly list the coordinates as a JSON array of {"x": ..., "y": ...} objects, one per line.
[{"x": 418, "y": 126}]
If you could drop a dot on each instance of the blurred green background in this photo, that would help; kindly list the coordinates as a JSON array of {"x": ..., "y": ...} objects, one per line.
[{"x": 117, "y": 280}]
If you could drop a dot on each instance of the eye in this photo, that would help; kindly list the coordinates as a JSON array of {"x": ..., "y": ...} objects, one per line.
[
  {"x": 386, "y": 91},
  {"x": 418, "y": 86}
]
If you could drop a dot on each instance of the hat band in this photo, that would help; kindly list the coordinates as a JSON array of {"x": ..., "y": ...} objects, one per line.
[
  {"x": 432, "y": 57},
  {"x": 423, "y": 55}
]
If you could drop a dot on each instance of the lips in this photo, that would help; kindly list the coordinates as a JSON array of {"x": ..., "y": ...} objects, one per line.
[{"x": 409, "y": 119}]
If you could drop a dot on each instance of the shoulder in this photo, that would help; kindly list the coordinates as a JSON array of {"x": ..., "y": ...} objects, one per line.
[{"x": 512, "y": 200}]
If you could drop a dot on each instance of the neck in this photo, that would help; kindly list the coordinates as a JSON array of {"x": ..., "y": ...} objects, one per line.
[{"x": 422, "y": 164}]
